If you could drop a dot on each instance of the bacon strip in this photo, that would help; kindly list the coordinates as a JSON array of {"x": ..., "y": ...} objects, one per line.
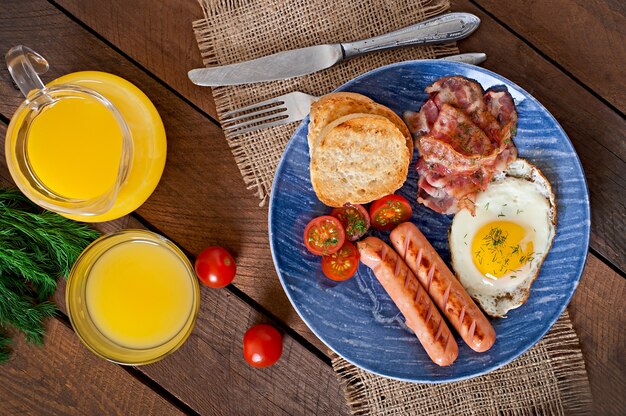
[{"x": 464, "y": 137}]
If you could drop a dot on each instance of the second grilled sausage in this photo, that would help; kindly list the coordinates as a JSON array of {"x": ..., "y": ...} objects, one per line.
[{"x": 443, "y": 287}]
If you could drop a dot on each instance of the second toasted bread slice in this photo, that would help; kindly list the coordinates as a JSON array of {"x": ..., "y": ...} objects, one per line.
[
  {"x": 359, "y": 160},
  {"x": 334, "y": 106},
  {"x": 315, "y": 140}
]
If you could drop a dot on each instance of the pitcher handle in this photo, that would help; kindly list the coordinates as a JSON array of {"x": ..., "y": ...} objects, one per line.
[{"x": 25, "y": 65}]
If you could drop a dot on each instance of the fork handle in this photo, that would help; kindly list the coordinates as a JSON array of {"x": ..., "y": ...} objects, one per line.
[{"x": 441, "y": 29}]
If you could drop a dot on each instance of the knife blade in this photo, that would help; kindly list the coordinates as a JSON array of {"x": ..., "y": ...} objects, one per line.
[{"x": 304, "y": 61}]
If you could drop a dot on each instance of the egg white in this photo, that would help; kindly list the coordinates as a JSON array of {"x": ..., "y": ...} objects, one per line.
[{"x": 527, "y": 201}]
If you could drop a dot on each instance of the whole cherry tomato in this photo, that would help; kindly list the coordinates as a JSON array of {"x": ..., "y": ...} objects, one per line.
[
  {"x": 215, "y": 267},
  {"x": 262, "y": 345},
  {"x": 389, "y": 211},
  {"x": 324, "y": 235}
]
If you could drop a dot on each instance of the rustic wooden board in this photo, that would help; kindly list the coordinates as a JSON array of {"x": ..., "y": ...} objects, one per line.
[
  {"x": 209, "y": 373},
  {"x": 598, "y": 312},
  {"x": 587, "y": 38},
  {"x": 598, "y": 133},
  {"x": 155, "y": 36},
  {"x": 63, "y": 377},
  {"x": 176, "y": 211}
]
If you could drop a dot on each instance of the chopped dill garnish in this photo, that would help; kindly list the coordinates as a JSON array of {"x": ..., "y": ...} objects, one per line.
[{"x": 496, "y": 237}]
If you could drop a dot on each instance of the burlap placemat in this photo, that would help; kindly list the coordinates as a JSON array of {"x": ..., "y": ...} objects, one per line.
[
  {"x": 239, "y": 30},
  {"x": 549, "y": 379}
]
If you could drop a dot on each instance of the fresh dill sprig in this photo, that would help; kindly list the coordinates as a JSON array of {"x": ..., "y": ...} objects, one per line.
[{"x": 36, "y": 248}]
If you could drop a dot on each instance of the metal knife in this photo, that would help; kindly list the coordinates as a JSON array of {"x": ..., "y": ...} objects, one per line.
[{"x": 298, "y": 62}]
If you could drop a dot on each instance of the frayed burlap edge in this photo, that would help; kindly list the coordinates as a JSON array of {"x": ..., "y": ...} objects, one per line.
[
  {"x": 555, "y": 361},
  {"x": 258, "y": 173}
]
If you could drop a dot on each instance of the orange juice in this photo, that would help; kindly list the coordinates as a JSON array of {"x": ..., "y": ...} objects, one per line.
[
  {"x": 74, "y": 147},
  {"x": 148, "y": 136},
  {"x": 132, "y": 297},
  {"x": 90, "y": 146},
  {"x": 139, "y": 294}
]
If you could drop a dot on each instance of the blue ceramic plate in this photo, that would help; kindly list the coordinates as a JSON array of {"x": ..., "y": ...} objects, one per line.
[{"x": 356, "y": 318}]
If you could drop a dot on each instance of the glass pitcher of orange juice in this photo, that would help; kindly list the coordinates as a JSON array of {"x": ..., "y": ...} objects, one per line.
[{"x": 88, "y": 145}]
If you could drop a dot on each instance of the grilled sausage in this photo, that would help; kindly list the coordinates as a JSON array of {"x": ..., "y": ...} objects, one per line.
[
  {"x": 408, "y": 294},
  {"x": 443, "y": 287}
]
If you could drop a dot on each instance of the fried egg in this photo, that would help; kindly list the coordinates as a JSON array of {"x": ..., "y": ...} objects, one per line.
[{"x": 497, "y": 253}]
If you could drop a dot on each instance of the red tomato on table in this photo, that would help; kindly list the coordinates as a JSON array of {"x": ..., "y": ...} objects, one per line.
[
  {"x": 343, "y": 264},
  {"x": 355, "y": 220},
  {"x": 390, "y": 211},
  {"x": 262, "y": 345},
  {"x": 215, "y": 267},
  {"x": 324, "y": 235}
]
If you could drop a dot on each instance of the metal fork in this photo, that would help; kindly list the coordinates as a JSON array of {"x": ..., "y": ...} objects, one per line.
[
  {"x": 273, "y": 112},
  {"x": 292, "y": 107}
]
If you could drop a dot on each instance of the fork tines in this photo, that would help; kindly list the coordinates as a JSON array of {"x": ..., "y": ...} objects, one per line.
[
  {"x": 253, "y": 117},
  {"x": 273, "y": 112}
]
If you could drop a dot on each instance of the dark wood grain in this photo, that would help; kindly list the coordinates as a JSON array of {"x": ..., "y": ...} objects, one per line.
[
  {"x": 63, "y": 377},
  {"x": 587, "y": 38},
  {"x": 156, "y": 37},
  {"x": 209, "y": 373},
  {"x": 598, "y": 312},
  {"x": 202, "y": 200},
  {"x": 598, "y": 133}
]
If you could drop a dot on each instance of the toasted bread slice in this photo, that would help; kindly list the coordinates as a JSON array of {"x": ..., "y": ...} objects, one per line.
[
  {"x": 359, "y": 160},
  {"x": 314, "y": 141},
  {"x": 340, "y": 104}
]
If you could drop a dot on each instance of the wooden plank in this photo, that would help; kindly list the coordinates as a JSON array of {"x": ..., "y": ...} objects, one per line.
[
  {"x": 598, "y": 133},
  {"x": 63, "y": 377},
  {"x": 591, "y": 309},
  {"x": 598, "y": 313},
  {"x": 155, "y": 37},
  {"x": 209, "y": 373},
  {"x": 588, "y": 38}
]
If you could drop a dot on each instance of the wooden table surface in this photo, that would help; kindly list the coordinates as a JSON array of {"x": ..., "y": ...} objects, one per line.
[{"x": 570, "y": 54}]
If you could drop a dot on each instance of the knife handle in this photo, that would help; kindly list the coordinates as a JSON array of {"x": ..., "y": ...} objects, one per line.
[{"x": 441, "y": 29}]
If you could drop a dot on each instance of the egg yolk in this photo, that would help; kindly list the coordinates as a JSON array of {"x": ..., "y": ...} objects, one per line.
[{"x": 501, "y": 248}]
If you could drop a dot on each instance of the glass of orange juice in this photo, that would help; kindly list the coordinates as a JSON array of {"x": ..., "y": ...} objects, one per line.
[
  {"x": 88, "y": 145},
  {"x": 132, "y": 297}
]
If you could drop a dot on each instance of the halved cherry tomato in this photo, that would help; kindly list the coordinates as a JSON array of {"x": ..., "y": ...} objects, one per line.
[
  {"x": 389, "y": 211},
  {"x": 324, "y": 235},
  {"x": 215, "y": 267},
  {"x": 343, "y": 264},
  {"x": 355, "y": 220},
  {"x": 262, "y": 345}
]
